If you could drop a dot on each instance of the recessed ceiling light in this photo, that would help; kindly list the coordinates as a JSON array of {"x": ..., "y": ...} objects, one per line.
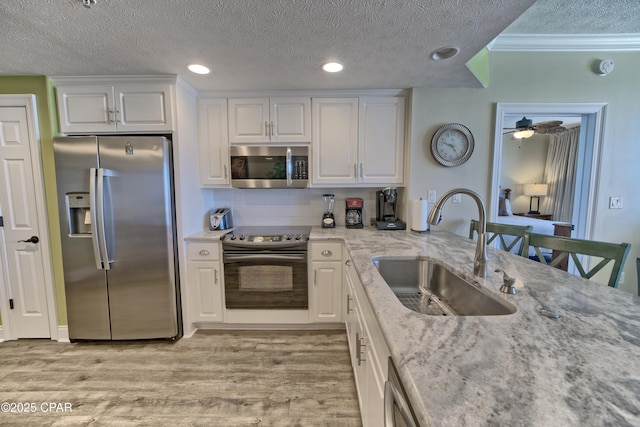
[
  {"x": 332, "y": 67},
  {"x": 444, "y": 53},
  {"x": 198, "y": 69}
]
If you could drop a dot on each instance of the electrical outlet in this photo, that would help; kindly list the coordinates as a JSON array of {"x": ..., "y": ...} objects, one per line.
[
  {"x": 457, "y": 198},
  {"x": 615, "y": 202},
  {"x": 433, "y": 196}
]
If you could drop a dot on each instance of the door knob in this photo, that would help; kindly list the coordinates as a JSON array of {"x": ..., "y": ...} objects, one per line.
[{"x": 32, "y": 239}]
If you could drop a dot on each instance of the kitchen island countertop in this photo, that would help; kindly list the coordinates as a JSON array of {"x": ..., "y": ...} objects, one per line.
[{"x": 520, "y": 369}]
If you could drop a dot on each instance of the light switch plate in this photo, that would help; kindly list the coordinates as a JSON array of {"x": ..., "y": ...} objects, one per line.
[
  {"x": 457, "y": 198},
  {"x": 432, "y": 197},
  {"x": 615, "y": 202}
]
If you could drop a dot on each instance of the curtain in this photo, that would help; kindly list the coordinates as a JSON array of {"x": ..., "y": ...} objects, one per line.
[{"x": 560, "y": 174}]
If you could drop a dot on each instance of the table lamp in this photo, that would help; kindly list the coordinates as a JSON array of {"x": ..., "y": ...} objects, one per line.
[{"x": 535, "y": 191}]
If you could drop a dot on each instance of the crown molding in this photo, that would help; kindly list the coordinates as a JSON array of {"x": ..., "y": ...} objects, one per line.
[{"x": 565, "y": 43}]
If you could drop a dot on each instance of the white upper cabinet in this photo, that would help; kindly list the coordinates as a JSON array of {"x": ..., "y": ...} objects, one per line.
[
  {"x": 123, "y": 107},
  {"x": 335, "y": 141},
  {"x": 358, "y": 141},
  {"x": 213, "y": 143},
  {"x": 381, "y": 140},
  {"x": 273, "y": 120}
]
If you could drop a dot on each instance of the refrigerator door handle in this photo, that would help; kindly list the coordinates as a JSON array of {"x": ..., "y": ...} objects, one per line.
[
  {"x": 94, "y": 216},
  {"x": 100, "y": 214}
]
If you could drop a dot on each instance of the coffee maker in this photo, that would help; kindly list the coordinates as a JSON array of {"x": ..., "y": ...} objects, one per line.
[
  {"x": 386, "y": 208},
  {"x": 353, "y": 214}
]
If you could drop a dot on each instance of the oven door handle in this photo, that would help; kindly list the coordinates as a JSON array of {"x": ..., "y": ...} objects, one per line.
[{"x": 265, "y": 257}]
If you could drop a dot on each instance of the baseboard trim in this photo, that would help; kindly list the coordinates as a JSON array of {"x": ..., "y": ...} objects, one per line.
[{"x": 63, "y": 333}]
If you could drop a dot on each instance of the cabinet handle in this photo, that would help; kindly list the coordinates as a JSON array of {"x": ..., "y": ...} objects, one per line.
[
  {"x": 348, "y": 263},
  {"x": 117, "y": 116},
  {"x": 215, "y": 276},
  {"x": 225, "y": 171},
  {"x": 348, "y": 304},
  {"x": 315, "y": 277},
  {"x": 359, "y": 349},
  {"x": 361, "y": 170},
  {"x": 355, "y": 170},
  {"x": 273, "y": 130},
  {"x": 327, "y": 252},
  {"x": 109, "y": 113},
  {"x": 204, "y": 252},
  {"x": 266, "y": 129}
]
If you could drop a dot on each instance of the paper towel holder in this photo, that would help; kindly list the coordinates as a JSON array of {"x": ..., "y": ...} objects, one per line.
[{"x": 413, "y": 220}]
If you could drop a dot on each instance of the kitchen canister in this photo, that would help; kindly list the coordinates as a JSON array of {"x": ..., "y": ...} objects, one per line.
[{"x": 419, "y": 214}]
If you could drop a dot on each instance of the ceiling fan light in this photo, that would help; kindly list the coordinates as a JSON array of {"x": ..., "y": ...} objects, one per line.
[{"x": 521, "y": 134}]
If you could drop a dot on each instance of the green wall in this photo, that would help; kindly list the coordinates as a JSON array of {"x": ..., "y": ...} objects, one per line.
[
  {"x": 538, "y": 77},
  {"x": 42, "y": 88}
]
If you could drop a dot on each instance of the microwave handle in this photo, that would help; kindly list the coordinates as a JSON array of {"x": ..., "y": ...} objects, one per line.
[{"x": 289, "y": 168}]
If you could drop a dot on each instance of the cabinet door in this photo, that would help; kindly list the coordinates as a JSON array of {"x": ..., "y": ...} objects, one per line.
[
  {"x": 213, "y": 142},
  {"x": 84, "y": 109},
  {"x": 381, "y": 140},
  {"x": 290, "y": 120},
  {"x": 326, "y": 301},
  {"x": 144, "y": 107},
  {"x": 249, "y": 120},
  {"x": 335, "y": 140},
  {"x": 205, "y": 291}
]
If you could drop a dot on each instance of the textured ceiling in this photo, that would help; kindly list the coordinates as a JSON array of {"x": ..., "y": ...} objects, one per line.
[
  {"x": 579, "y": 17},
  {"x": 264, "y": 44}
]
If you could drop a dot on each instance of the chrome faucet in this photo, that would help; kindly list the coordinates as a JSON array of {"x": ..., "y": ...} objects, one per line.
[{"x": 480, "y": 261}]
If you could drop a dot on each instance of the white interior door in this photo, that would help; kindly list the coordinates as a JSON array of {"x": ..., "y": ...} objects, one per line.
[{"x": 28, "y": 313}]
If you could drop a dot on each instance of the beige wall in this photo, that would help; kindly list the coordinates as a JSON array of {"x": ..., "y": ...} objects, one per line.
[
  {"x": 538, "y": 77},
  {"x": 523, "y": 162},
  {"x": 41, "y": 87}
]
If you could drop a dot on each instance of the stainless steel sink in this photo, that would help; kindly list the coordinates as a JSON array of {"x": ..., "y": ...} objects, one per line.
[{"x": 430, "y": 288}]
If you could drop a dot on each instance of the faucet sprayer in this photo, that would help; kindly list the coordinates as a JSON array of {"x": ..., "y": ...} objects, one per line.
[{"x": 480, "y": 260}]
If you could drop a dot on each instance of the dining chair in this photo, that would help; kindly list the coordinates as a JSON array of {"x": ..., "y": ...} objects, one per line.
[
  {"x": 508, "y": 235},
  {"x": 564, "y": 247}
]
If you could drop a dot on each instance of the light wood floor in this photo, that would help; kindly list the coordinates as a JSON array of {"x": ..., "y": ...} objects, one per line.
[{"x": 215, "y": 378}]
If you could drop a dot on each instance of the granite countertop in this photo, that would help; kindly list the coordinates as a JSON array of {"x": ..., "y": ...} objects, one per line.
[
  {"x": 521, "y": 369},
  {"x": 207, "y": 236}
]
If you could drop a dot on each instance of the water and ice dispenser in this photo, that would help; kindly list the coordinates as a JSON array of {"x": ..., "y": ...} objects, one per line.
[{"x": 78, "y": 213}]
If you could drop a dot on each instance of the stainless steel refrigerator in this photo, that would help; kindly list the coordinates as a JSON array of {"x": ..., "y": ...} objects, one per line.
[{"x": 115, "y": 199}]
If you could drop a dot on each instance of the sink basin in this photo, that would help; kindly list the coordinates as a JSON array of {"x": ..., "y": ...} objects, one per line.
[{"x": 430, "y": 288}]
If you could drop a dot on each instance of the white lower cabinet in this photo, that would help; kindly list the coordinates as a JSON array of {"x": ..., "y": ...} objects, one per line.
[
  {"x": 369, "y": 351},
  {"x": 205, "y": 286},
  {"x": 325, "y": 282}
]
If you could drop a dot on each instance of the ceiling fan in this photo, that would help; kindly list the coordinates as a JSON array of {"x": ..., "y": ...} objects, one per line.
[{"x": 525, "y": 128}]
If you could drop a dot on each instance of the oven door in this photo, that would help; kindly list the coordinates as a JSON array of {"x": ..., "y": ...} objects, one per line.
[
  {"x": 264, "y": 279},
  {"x": 397, "y": 411}
]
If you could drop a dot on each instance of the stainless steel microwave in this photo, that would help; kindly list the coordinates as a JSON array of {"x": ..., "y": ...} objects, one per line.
[{"x": 269, "y": 167}]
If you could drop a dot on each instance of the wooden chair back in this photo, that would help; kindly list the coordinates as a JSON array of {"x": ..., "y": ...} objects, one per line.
[
  {"x": 638, "y": 271},
  {"x": 519, "y": 233},
  {"x": 564, "y": 247}
]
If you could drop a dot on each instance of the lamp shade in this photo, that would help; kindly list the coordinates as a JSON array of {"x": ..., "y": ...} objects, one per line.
[{"x": 536, "y": 189}]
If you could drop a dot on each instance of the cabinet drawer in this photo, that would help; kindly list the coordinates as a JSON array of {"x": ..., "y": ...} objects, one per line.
[
  {"x": 203, "y": 251},
  {"x": 326, "y": 251}
]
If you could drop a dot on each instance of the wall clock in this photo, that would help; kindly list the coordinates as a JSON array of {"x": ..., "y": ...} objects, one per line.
[{"x": 452, "y": 144}]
